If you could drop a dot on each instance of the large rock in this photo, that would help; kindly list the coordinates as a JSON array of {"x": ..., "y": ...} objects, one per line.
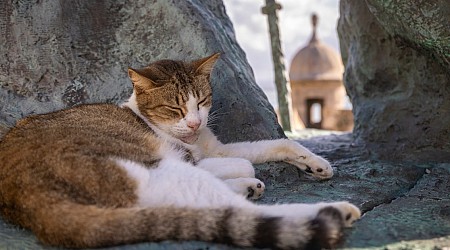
[
  {"x": 56, "y": 54},
  {"x": 396, "y": 55}
]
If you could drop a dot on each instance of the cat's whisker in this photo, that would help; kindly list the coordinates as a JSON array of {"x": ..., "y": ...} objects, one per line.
[
  {"x": 213, "y": 119},
  {"x": 216, "y": 115},
  {"x": 216, "y": 110},
  {"x": 211, "y": 124}
]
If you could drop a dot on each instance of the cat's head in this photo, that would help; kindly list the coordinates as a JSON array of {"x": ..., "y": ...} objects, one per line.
[{"x": 175, "y": 96}]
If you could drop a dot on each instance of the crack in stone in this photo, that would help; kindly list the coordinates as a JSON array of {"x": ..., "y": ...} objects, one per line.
[{"x": 389, "y": 201}]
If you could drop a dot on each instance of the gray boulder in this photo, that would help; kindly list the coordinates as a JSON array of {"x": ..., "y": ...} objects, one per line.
[
  {"x": 57, "y": 54},
  {"x": 397, "y": 74}
]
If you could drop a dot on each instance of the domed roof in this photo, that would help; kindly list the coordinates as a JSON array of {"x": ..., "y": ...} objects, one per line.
[{"x": 317, "y": 61}]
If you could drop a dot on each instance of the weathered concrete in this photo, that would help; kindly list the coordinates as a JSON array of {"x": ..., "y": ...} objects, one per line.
[
  {"x": 397, "y": 76},
  {"x": 404, "y": 206},
  {"x": 57, "y": 54}
]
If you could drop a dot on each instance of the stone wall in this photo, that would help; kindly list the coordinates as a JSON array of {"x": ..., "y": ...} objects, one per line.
[
  {"x": 57, "y": 54},
  {"x": 397, "y": 74}
]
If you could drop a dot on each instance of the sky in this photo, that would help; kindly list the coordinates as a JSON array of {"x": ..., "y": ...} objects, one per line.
[{"x": 252, "y": 33}]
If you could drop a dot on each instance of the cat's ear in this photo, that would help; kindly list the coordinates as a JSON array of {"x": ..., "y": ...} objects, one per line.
[
  {"x": 140, "y": 82},
  {"x": 205, "y": 65}
]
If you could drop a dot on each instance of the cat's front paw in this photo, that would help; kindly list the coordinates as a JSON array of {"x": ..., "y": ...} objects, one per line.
[
  {"x": 313, "y": 165},
  {"x": 251, "y": 188}
]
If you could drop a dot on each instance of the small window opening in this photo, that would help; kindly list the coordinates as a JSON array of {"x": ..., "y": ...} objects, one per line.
[{"x": 314, "y": 113}]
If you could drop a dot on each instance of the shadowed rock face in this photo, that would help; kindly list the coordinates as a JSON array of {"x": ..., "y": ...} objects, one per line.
[
  {"x": 56, "y": 54},
  {"x": 396, "y": 55}
]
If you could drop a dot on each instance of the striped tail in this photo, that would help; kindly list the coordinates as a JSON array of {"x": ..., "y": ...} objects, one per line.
[{"x": 81, "y": 226}]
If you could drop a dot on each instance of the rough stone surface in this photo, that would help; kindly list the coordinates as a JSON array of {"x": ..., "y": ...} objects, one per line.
[
  {"x": 421, "y": 214},
  {"x": 424, "y": 25},
  {"x": 398, "y": 77},
  {"x": 57, "y": 54},
  {"x": 405, "y": 206}
]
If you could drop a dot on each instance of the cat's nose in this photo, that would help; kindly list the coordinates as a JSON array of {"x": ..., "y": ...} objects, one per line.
[{"x": 193, "y": 124}]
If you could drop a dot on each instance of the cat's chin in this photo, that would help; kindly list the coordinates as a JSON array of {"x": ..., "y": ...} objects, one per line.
[{"x": 189, "y": 139}]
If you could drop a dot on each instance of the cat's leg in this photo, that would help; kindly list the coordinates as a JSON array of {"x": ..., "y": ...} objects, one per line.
[
  {"x": 237, "y": 173},
  {"x": 268, "y": 150},
  {"x": 227, "y": 168}
]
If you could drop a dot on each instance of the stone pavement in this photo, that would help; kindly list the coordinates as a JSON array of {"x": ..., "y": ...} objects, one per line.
[{"x": 405, "y": 206}]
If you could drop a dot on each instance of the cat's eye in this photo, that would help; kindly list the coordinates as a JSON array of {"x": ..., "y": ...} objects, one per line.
[
  {"x": 176, "y": 110},
  {"x": 202, "y": 102}
]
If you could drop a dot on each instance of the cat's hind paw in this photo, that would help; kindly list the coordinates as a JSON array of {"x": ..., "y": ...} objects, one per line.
[
  {"x": 255, "y": 190},
  {"x": 251, "y": 188}
]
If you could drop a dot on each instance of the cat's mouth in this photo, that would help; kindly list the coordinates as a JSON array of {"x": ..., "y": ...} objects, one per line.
[{"x": 189, "y": 139}]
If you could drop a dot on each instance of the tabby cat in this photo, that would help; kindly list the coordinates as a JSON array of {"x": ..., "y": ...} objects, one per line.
[{"x": 151, "y": 170}]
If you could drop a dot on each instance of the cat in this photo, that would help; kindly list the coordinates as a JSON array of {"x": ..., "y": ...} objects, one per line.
[{"x": 98, "y": 175}]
